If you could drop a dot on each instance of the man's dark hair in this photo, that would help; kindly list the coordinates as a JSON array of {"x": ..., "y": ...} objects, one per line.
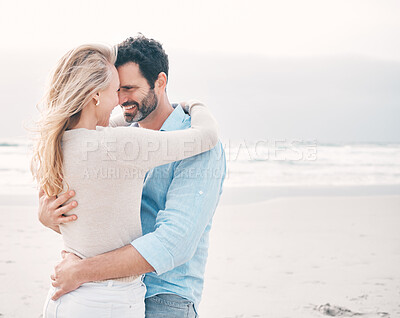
[{"x": 147, "y": 53}]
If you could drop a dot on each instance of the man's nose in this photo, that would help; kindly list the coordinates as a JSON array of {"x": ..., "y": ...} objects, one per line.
[{"x": 122, "y": 98}]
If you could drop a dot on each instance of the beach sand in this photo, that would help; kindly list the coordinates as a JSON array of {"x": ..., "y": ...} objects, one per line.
[
  {"x": 291, "y": 257},
  {"x": 285, "y": 257}
]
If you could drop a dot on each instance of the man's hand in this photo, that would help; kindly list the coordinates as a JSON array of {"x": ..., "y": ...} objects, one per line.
[
  {"x": 66, "y": 276},
  {"x": 51, "y": 210}
]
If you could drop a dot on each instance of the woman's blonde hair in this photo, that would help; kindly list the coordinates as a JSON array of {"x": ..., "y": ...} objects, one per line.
[{"x": 81, "y": 73}]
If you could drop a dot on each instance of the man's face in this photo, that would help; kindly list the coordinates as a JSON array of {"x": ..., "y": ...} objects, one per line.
[{"x": 135, "y": 96}]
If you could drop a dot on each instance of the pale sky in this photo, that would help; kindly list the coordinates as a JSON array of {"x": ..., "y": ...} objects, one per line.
[
  {"x": 326, "y": 70},
  {"x": 274, "y": 28}
]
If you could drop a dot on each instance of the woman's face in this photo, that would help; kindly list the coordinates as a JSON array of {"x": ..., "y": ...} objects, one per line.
[{"x": 108, "y": 100}]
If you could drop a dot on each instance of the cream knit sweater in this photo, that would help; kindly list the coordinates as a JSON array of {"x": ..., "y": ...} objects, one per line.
[{"x": 106, "y": 168}]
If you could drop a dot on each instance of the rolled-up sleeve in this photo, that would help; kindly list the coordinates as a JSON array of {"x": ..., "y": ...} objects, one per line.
[{"x": 190, "y": 204}]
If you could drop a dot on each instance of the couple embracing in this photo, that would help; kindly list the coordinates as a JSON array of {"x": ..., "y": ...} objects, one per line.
[{"x": 132, "y": 196}]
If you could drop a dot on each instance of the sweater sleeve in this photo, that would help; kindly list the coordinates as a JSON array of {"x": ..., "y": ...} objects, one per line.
[
  {"x": 118, "y": 121},
  {"x": 146, "y": 148}
]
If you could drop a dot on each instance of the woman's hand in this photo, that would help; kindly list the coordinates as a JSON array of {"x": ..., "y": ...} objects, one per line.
[
  {"x": 185, "y": 106},
  {"x": 189, "y": 104}
]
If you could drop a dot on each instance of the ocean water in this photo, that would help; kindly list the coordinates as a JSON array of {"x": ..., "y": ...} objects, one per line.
[
  {"x": 256, "y": 163},
  {"x": 297, "y": 163}
]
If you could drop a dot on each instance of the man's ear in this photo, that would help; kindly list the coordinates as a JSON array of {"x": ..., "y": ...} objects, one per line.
[{"x": 161, "y": 82}]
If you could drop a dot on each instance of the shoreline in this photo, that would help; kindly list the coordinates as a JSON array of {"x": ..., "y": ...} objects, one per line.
[
  {"x": 253, "y": 194},
  {"x": 250, "y": 194}
]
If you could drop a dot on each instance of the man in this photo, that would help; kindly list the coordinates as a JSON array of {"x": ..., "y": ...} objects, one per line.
[{"x": 178, "y": 201}]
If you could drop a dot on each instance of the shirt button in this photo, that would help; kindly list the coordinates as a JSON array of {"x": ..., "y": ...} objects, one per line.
[{"x": 200, "y": 192}]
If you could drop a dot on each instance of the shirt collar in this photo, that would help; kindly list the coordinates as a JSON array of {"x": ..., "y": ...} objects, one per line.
[{"x": 174, "y": 121}]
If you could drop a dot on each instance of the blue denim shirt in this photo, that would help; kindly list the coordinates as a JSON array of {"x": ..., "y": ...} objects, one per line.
[{"x": 178, "y": 202}]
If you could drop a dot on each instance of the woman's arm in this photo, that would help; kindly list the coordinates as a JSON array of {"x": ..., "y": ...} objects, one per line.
[
  {"x": 118, "y": 121},
  {"x": 146, "y": 148}
]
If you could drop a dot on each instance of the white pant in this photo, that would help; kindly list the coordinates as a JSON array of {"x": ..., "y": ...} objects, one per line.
[{"x": 100, "y": 300}]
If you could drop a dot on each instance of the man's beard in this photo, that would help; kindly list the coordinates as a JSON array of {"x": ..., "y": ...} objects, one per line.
[{"x": 146, "y": 107}]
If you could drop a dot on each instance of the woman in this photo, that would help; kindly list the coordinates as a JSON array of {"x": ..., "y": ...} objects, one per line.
[{"x": 106, "y": 166}]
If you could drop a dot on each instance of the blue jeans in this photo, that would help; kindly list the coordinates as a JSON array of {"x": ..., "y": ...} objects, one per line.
[{"x": 169, "y": 306}]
